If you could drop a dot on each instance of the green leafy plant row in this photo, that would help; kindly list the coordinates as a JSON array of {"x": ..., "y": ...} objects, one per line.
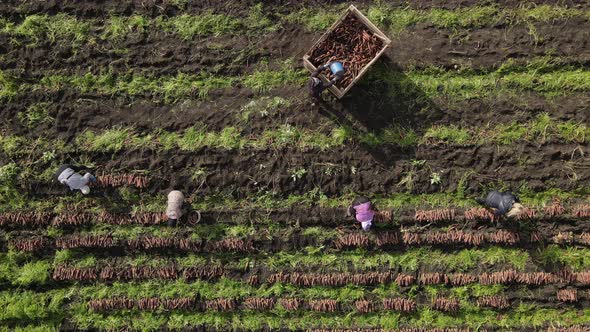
[
  {"x": 316, "y": 259},
  {"x": 38, "y": 28},
  {"x": 27, "y": 269},
  {"x": 22, "y": 269},
  {"x": 540, "y": 130},
  {"x": 424, "y": 85},
  {"x": 523, "y": 315},
  {"x": 395, "y": 19},
  {"x": 421, "y": 85},
  {"x": 165, "y": 88}
]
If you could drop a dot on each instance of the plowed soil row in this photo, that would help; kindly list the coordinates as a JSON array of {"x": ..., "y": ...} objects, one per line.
[
  {"x": 161, "y": 53},
  {"x": 75, "y": 112},
  {"x": 550, "y": 165},
  {"x": 161, "y": 7}
]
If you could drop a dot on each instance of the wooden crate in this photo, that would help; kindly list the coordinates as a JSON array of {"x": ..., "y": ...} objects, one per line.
[{"x": 339, "y": 93}]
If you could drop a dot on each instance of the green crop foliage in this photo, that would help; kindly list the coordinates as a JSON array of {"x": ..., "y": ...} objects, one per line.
[
  {"x": 472, "y": 17},
  {"x": 12, "y": 146},
  {"x": 399, "y": 136},
  {"x": 111, "y": 140},
  {"x": 188, "y": 26},
  {"x": 39, "y": 27},
  {"x": 451, "y": 134},
  {"x": 42, "y": 28},
  {"x": 524, "y": 316},
  {"x": 36, "y": 273},
  {"x": 10, "y": 195},
  {"x": 578, "y": 259},
  {"x": 257, "y": 20},
  {"x": 31, "y": 328},
  {"x": 540, "y": 129},
  {"x": 508, "y": 134},
  {"x": 288, "y": 135},
  {"x": 342, "y": 134},
  {"x": 195, "y": 139},
  {"x": 310, "y": 259},
  {"x": 459, "y": 86},
  {"x": 264, "y": 80},
  {"x": 313, "y": 19},
  {"x": 35, "y": 115},
  {"x": 9, "y": 87},
  {"x": 574, "y": 132},
  {"x": 192, "y": 139},
  {"x": 419, "y": 86},
  {"x": 29, "y": 306},
  {"x": 168, "y": 88},
  {"x": 117, "y": 28},
  {"x": 542, "y": 13}
]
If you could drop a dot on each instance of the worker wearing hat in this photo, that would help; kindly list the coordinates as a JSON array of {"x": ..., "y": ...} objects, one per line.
[
  {"x": 317, "y": 86},
  {"x": 503, "y": 203}
]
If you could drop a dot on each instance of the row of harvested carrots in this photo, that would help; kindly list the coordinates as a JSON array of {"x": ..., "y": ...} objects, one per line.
[
  {"x": 439, "y": 303},
  {"x": 351, "y": 240},
  {"x": 210, "y": 272},
  {"x": 40, "y": 219}
]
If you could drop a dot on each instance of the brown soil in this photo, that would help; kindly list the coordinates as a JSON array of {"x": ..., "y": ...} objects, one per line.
[{"x": 551, "y": 164}]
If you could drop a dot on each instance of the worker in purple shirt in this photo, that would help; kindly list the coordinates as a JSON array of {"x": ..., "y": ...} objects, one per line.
[{"x": 363, "y": 210}]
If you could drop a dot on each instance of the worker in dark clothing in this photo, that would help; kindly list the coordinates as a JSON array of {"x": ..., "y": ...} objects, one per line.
[
  {"x": 317, "y": 86},
  {"x": 504, "y": 203}
]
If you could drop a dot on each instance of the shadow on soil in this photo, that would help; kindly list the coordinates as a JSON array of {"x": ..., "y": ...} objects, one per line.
[{"x": 385, "y": 102}]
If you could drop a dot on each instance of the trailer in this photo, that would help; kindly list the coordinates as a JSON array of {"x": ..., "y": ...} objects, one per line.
[{"x": 356, "y": 51}]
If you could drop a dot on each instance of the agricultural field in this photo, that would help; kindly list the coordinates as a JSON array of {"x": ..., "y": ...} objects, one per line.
[{"x": 210, "y": 98}]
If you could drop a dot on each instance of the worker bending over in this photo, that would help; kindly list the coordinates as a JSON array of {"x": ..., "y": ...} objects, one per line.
[
  {"x": 66, "y": 174},
  {"x": 317, "y": 86},
  {"x": 503, "y": 203},
  {"x": 363, "y": 210},
  {"x": 174, "y": 207}
]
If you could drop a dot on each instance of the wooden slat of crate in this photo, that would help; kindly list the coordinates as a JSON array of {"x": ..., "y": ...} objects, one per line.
[{"x": 386, "y": 41}]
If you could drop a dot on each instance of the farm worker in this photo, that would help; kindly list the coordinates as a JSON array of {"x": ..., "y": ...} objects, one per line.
[
  {"x": 174, "y": 208},
  {"x": 504, "y": 203},
  {"x": 363, "y": 210},
  {"x": 66, "y": 174},
  {"x": 317, "y": 86}
]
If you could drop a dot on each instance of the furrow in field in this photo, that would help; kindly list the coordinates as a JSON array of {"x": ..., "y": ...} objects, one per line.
[
  {"x": 333, "y": 171},
  {"x": 67, "y": 115}
]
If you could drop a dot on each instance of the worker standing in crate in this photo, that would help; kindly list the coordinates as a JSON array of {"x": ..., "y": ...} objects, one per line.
[{"x": 317, "y": 86}]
